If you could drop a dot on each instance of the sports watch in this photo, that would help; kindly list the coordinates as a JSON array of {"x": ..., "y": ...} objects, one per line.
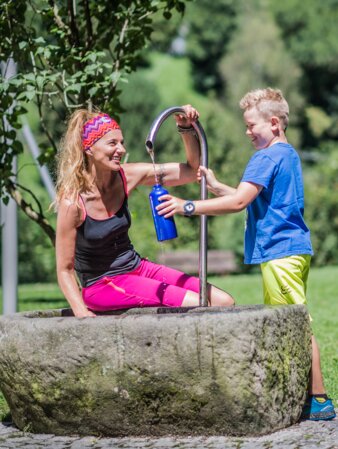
[{"x": 189, "y": 208}]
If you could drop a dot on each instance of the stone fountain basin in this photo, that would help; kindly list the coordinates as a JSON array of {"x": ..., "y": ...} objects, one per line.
[{"x": 152, "y": 372}]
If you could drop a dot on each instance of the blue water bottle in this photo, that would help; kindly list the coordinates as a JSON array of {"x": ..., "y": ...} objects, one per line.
[{"x": 165, "y": 227}]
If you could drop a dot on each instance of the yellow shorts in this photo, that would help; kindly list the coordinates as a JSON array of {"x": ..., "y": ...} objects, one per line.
[{"x": 284, "y": 280}]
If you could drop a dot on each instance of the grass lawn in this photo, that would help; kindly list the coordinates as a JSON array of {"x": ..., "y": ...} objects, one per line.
[{"x": 322, "y": 294}]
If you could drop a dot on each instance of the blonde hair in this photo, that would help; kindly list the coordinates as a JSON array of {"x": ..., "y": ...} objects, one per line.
[
  {"x": 269, "y": 102},
  {"x": 73, "y": 177}
]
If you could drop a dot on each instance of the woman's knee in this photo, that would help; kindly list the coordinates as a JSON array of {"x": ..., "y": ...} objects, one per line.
[{"x": 218, "y": 297}]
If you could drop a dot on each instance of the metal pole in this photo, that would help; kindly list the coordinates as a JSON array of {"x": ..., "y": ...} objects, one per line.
[
  {"x": 43, "y": 170},
  {"x": 9, "y": 233},
  {"x": 203, "y": 271},
  {"x": 203, "y": 250}
]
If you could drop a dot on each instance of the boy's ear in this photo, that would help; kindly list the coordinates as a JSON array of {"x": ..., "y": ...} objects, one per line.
[{"x": 275, "y": 121}]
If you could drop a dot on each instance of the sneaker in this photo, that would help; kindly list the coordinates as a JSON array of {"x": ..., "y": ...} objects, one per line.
[{"x": 315, "y": 410}]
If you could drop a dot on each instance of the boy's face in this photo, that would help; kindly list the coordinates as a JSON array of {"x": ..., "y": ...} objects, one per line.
[{"x": 258, "y": 129}]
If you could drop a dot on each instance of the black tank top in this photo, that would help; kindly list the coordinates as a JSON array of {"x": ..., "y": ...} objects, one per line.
[{"x": 103, "y": 247}]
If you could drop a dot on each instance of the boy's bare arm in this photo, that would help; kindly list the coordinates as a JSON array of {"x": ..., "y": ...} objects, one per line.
[
  {"x": 244, "y": 195},
  {"x": 213, "y": 185}
]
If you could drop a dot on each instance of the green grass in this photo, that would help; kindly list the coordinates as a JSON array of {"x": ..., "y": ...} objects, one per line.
[{"x": 247, "y": 289}]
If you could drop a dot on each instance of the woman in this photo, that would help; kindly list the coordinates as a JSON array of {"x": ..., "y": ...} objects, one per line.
[{"x": 93, "y": 221}]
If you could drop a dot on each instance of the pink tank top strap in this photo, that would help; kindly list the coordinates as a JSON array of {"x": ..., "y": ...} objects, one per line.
[
  {"x": 124, "y": 180},
  {"x": 83, "y": 207}
]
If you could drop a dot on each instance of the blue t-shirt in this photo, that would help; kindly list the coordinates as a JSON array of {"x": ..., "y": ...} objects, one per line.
[{"x": 275, "y": 227}]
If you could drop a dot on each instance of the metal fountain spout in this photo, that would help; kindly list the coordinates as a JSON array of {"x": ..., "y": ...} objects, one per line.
[{"x": 203, "y": 247}]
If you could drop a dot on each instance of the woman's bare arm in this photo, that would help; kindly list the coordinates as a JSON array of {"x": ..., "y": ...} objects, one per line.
[
  {"x": 67, "y": 222},
  {"x": 174, "y": 173}
]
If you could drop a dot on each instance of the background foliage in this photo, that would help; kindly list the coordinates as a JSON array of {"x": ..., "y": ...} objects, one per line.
[{"x": 209, "y": 57}]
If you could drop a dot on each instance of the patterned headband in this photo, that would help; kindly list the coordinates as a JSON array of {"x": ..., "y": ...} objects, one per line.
[{"x": 97, "y": 127}]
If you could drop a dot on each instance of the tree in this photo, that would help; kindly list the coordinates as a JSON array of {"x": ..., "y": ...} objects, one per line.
[
  {"x": 257, "y": 57},
  {"x": 210, "y": 26},
  {"x": 309, "y": 30},
  {"x": 321, "y": 190},
  {"x": 69, "y": 55}
]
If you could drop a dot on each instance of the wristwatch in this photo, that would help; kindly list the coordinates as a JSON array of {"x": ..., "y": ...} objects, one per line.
[{"x": 189, "y": 208}]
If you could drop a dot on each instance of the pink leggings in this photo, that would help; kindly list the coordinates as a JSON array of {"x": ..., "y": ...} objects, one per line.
[{"x": 150, "y": 285}]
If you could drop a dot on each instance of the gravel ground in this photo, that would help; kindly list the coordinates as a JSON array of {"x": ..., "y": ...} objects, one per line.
[{"x": 306, "y": 434}]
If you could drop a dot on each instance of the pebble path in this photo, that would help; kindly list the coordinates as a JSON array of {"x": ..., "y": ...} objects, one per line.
[{"x": 306, "y": 434}]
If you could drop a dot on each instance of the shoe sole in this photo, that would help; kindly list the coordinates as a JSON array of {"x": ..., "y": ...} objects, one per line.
[{"x": 321, "y": 416}]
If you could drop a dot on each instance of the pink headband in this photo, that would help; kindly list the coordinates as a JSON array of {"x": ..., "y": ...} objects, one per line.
[{"x": 97, "y": 127}]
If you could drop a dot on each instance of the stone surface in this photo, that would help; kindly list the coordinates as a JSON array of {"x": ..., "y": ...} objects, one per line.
[
  {"x": 305, "y": 435},
  {"x": 240, "y": 371}
]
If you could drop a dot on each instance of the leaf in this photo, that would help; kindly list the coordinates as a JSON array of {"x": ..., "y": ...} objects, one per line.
[
  {"x": 26, "y": 96},
  {"x": 74, "y": 88},
  {"x": 39, "y": 40},
  {"x": 167, "y": 15},
  {"x": 319, "y": 121},
  {"x": 92, "y": 91}
]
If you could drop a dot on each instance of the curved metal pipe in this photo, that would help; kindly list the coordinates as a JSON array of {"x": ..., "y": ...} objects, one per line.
[{"x": 203, "y": 299}]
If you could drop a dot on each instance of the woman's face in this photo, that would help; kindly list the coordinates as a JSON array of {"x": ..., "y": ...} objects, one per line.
[{"x": 108, "y": 151}]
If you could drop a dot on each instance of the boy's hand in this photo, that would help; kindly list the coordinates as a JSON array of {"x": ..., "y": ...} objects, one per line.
[
  {"x": 211, "y": 181},
  {"x": 191, "y": 115},
  {"x": 170, "y": 205}
]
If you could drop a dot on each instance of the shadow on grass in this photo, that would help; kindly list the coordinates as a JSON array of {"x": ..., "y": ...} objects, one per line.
[{"x": 43, "y": 300}]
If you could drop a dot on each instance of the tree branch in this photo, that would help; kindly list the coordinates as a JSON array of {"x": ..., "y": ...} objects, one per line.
[
  {"x": 30, "y": 212},
  {"x": 58, "y": 20},
  {"x": 73, "y": 26},
  {"x": 89, "y": 26}
]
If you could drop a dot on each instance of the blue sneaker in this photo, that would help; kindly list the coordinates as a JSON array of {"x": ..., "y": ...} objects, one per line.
[{"x": 316, "y": 410}]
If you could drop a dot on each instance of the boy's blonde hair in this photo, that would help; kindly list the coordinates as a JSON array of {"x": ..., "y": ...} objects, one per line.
[{"x": 269, "y": 102}]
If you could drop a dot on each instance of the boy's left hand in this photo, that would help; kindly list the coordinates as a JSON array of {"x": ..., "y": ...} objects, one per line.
[{"x": 170, "y": 205}]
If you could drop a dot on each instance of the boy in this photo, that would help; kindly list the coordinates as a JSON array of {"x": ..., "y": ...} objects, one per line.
[{"x": 276, "y": 236}]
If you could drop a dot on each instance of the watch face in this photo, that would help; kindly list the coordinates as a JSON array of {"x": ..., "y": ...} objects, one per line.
[{"x": 189, "y": 207}]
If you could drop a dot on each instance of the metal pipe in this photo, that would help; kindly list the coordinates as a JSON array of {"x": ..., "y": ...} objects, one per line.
[
  {"x": 203, "y": 299},
  {"x": 43, "y": 170},
  {"x": 9, "y": 225}
]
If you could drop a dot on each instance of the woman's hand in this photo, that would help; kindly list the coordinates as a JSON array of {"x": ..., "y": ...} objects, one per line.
[
  {"x": 170, "y": 205},
  {"x": 191, "y": 115},
  {"x": 83, "y": 312}
]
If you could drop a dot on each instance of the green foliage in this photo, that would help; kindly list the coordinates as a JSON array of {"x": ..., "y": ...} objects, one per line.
[
  {"x": 36, "y": 254},
  {"x": 322, "y": 206},
  {"x": 318, "y": 121},
  {"x": 69, "y": 55},
  {"x": 257, "y": 57},
  {"x": 140, "y": 100},
  {"x": 210, "y": 25},
  {"x": 310, "y": 28},
  {"x": 310, "y": 33}
]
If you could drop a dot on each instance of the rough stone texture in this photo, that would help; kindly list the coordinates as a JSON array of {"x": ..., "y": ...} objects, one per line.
[
  {"x": 305, "y": 435},
  {"x": 239, "y": 371}
]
